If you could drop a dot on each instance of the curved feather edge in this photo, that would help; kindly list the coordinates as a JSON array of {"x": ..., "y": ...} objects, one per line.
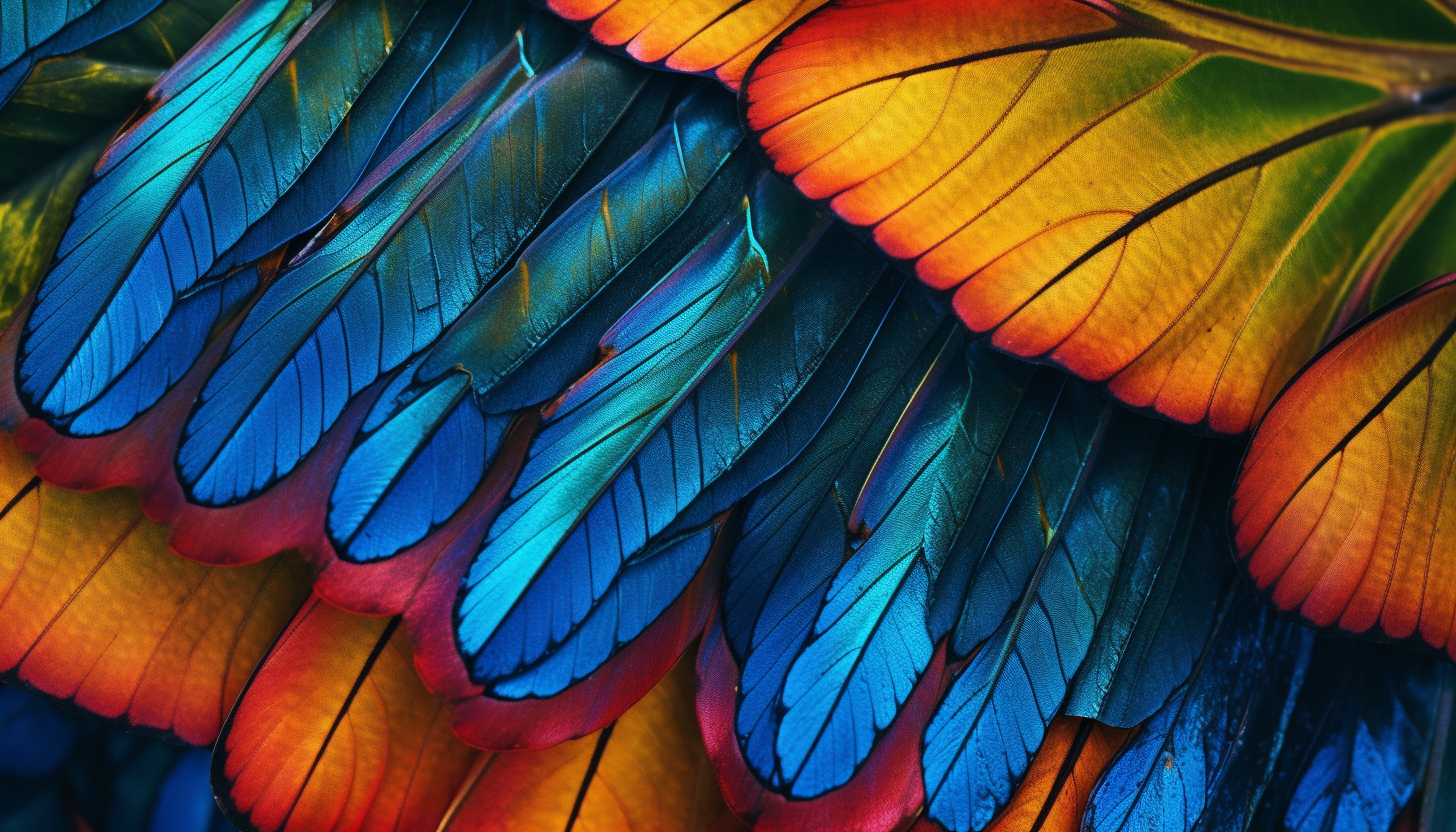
[
  {"x": 584, "y": 707},
  {"x": 885, "y": 793},
  {"x": 1224, "y": 729}
]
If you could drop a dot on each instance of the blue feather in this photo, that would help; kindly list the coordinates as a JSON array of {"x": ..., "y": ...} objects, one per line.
[
  {"x": 1204, "y": 759},
  {"x": 993, "y": 720},
  {"x": 387, "y": 283},
  {"x": 577, "y": 258},
  {"x": 724, "y": 415},
  {"x": 1358, "y": 741},
  {"x": 794, "y": 528},
  {"x": 1167, "y": 587},
  {"x": 184, "y": 802},
  {"x": 654, "y": 358},
  {"x": 34, "y": 29},
  {"x": 869, "y": 643},
  {"x": 998, "y": 558},
  {"x": 35, "y": 738},
  {"x": 345, "y": 157},
  {"x": 230, "y": 130}
]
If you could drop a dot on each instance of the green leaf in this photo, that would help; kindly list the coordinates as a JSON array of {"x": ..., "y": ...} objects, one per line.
[
  {"x": 33, "y": 216},
  {"x": 65, "y": 102}
]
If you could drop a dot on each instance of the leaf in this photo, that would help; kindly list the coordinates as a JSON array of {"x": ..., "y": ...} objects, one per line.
[
  {"x": 577, "y": 259},
  {"x": 1203, "y": 761},
  {"x": 97, "y": 611},
  {"x": 1358, "y": 740},
  {"x": 1185, "y": 226},
  {"x": 646, "y": 772},
  {"x": 335, "y": 732},
  {"x": 33, "y": 216},
  {"x": 65, "y": 102},
  {"x": 164, "y": 35},
  {"x": 151, "y": 224},
  {"x": 328, "y": 327},
  {"x": 654, "y": 357},
  {"x": 36, "y": 29},
  {"x": 1342, "y": 508},
  {"x": 720, "y": 37}
]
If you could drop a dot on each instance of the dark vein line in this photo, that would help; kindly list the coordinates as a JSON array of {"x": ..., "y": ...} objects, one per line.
[
  {"x": 1084, "y": 731},
  {"x": 591, "y": 774},
  {"x": 364, "y": 672}
]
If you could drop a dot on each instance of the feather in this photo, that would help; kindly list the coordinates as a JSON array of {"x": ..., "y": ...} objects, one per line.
[
  {"x": 180, "y": 186},
  {"x": 982, "y": 738},
  {"x": 413, "y": 252},
  {"x": 344, "y": 158},
  {"x": 36, "y": 29},
  {"x": 1167, "y": 586},
  {"x": 654, "y": 357},
  {"x": 1339, "y": 510},
  {"x": 646, "y": 772},
  {"x": 335, "y": 732},
  {"x": 1358, "y": 740},
  {"x": 1204, "y": 759},
  {"x": 794, "y": 531},
  {"x": 606, "y": 230},
  {"x": 67, "y": 102},
  {"x": 868, "y": 644}
]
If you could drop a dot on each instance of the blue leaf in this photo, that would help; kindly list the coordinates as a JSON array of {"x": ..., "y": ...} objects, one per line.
[{"x": 1204, "y": 759}]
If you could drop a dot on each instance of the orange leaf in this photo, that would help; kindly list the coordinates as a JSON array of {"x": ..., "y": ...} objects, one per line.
[
  {"x": 1345, "y": 507},
  {"x": 95, "y": 609},
  {"x": 647, "y": 772},
  {"x": 336, "y": 732},
  {"x": 718, "y": 37}
]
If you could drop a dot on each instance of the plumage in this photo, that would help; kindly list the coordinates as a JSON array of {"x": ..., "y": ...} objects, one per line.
[
  {"x": 606, "y": 230},
  {"x": 179, "y": 188},
  {"x": 387, "y": 283},
  {"x": 296, "y": 753},
  {"x": 545, "y": 377},
  {"x": 1057, "y": 203},
  {"x": 168, "y": 643},
  {"x": 1204, "y": 759},
  {"x": 655, "y": 355},
  {"x": 1358, "y": 742},
  {"x": 34, "y": 29}
]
